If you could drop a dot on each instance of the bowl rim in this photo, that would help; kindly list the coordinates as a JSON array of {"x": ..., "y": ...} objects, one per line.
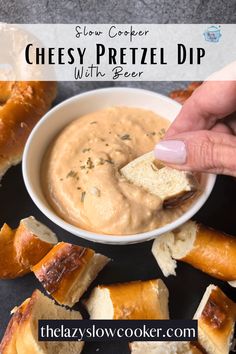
[{"x": 107, "y": 238}]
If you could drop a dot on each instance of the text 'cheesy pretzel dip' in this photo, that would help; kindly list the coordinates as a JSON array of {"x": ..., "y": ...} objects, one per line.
[{"x": 81, "y": 172}]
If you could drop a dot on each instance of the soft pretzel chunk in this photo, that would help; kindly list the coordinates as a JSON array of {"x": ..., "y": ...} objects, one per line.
[
  {"x": 134, "y": 300},
  {"x": 170, "y": 185},
  {"x": 214, "y": 253},
  {"x": 23, "y": 247},
  {"x": 32, "y": 241},
  {"x": 22, "y": 104},
  {"x": 163, "y": 348},
  {"x": 67, "y": 271},
  {"x": 8, "y": 343},
  {"x": 216, "y": 317},
  {"x": 21, "y": 336},
  {"x": 211, "y": 251},
  {"x": 182, "y": 95}
]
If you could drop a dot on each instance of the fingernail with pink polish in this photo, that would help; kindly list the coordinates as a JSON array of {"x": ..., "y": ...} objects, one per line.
[{"x": 171, "y": 151}]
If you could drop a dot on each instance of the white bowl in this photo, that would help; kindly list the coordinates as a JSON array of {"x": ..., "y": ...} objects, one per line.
[{"x": 57, "y": 118}]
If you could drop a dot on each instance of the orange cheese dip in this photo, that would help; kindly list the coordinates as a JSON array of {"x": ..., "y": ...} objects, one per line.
[{"x": 81, "y": 177}]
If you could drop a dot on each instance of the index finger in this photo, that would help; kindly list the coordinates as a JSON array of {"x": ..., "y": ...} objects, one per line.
[{"x": 210, "y": 102}]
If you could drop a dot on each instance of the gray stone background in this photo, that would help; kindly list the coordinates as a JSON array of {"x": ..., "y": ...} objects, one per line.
[
  {"x": 124, "y": 267},
  {"x": 113, "y": 11}
]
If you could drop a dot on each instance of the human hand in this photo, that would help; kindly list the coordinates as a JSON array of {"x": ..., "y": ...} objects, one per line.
[{"x": 203, "y": 136}]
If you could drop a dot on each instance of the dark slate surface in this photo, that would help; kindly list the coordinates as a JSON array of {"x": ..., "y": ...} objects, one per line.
[
  {"x": 129, "y": 262},
  {"x": 187, "y": 288}
]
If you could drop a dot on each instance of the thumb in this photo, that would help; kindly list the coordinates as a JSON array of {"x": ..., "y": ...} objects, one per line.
[{"x": 204, "y": 151}]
